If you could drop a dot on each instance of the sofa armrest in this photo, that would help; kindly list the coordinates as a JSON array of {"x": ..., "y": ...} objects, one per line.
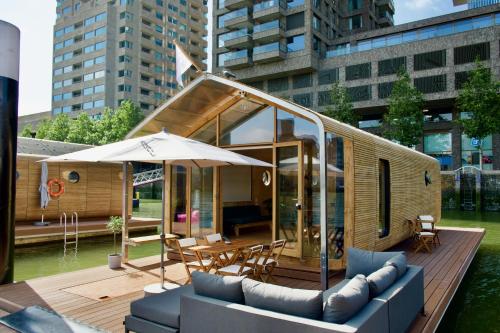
[{"x": 203, "y": 314}]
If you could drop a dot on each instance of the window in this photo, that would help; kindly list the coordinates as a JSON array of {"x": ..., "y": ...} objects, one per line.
[
  {"x": 99, "y": 89},
  {"x": 88, "y": 91},
  {"x": 361, "y": 93},
  {"x": 57, "y": 85},
  {"x": 295, "y": 43},
  {"x": 384, "y": 201},
  {"x": 429, "y": 60},
  {"x": 58, "y": 71},
  {"x": 294, "y": 3},
  {"x": 324, "y": 98},
  {"x": 295, "y": 21},
  {"x": 88, "y": 77},
  {"x": 316, "y": 23},
  {"x": 385, "y": 89},
  {"x": 279, "y": 84},
  {"x": 125, "y": 44},
  {"x": 126, "y": 16},
  {"x": 88, "y": 63},
  {"x": 391, "y": 66},
  {"x": 355, "y": 72},
  {"x": 125, "y": 87},
  {"x": 354, "y": 4},
  {"x": 470, "y": 53},
  {"x": 460, "y": 79},
  {"x": 89, "y": 21},
  {"x": 125, "y": 58},
  {"x": 328, "y": 76},
  {"x": 303, "y": 99},
  {"x": 431, "y": 84},
  {"x": 438, "y": 117},
  {"x": 100, "y": 46},
  {"x": 99, "y": 74},
  {"x": 100, "y": 17},
  {"x": 471, "y": 155},
  {"x": 99, "y": 103},
  {"x": 241, "y": 123},
  {"x": 88, "y": 105},
  {"x": 100, "y": 31},
  {"x": 302, "y": 81},
  {"x": 438, "y": 145},
  {"x": 355, "y": 22},
  {"x": 100, "y": 60},
  {"x": 124, "y": 72}
]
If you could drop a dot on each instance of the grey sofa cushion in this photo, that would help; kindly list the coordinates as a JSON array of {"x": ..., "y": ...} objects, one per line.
[
  {"x": 399, "y": 262},
  {"x": 163, "y": 309},
  {"x": 297, "y": 302},
  {"x": 365, "y": 262},
  {"x": 347, "y": 302},
  {"x": 381, "y": 279},
  {"x": 225, "y": 288}
]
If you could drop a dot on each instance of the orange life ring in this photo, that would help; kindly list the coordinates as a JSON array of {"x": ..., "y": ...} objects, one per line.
[{"x": 55, "y": 181}]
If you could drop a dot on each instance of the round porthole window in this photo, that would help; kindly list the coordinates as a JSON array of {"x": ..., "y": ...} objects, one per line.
[
  {"x": 266, "y": 178},
  {"x": 74, "y": 177}
]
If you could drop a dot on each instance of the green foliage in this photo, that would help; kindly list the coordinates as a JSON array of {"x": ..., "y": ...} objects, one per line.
[
  {"x": 113, "y": 126},
  {"x": 115, "y": 226},
  {"x": 481, "y": 99},
  {"x": 26, "y": 132},
  {"x": 341, "y": 107},
  {"x": 404, "y": 122}
]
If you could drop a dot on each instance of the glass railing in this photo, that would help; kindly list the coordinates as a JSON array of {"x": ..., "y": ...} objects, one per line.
[
  {"x": 481, "y": 3},
  {"x": 268, "y": 4},
  {"x": 232, "y": 35},
  {"x": 236, "y": 55},
  {"x": 268, "y": 26},
  {"x": 236, "y": 13},
  {"x": 276, "y": 46},
  {"x": 415, "y": 35}
]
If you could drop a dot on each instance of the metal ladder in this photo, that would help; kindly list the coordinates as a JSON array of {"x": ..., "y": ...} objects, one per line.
[{"x": 74, "y": 221}]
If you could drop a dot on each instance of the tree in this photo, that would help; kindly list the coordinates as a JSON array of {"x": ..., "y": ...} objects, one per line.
[
  {"x": 27, "y": 131},
  {"x": 43, "y": 129},
  {"x": 83, "y": 130},
  {"x": 480, "y": 98},
  {"x": 59, "y": 128},
  {"x": 114, "y": 125},
  {"x": 341, "y": 107},
  {"x": 404, "y": 122}
]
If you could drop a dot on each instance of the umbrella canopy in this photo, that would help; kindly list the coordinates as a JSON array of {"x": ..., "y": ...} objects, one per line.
[
  {"x": 158, "y": 148},
  {"x": 43, "y": 189}
]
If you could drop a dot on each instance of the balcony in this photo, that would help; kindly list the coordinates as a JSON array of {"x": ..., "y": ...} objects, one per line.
[
  {"x": 269, "y": 52},
  {"x": 268, "y": 32},
  {"x": 237, "y": 59},
  {"x": 389, "y": 4},
  {"x": 268, "y": 10},
  {"x": 236, "y": 39},
  {"x": 236, "y": 4},
  {"x": 385, "y": 19},
  {"x": 237, "y": 19}
]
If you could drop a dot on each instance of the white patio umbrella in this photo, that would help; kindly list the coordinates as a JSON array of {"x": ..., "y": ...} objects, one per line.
[
  {"x": 43, "y": 189},
  {"x": 161, "y": 148}
]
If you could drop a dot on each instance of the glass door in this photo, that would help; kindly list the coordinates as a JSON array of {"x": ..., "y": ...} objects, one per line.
[{"x": 288, "y": 197}]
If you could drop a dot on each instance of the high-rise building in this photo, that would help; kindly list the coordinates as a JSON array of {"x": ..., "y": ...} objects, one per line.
[
  {"x": 285, "y": 36},
  {"x": 109, "y": 51},
  {"x": 471, "y": 4}
]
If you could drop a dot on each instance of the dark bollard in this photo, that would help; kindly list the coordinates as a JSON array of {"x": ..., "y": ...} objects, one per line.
[{"x": 9, "y": 89}]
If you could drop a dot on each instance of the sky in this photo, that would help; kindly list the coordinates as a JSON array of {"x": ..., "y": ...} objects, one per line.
[{"x": 36, "y": 19}]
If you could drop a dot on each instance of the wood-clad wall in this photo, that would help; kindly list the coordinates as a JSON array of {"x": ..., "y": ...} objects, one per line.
[
  {"x": 409, "y": 194},
  {"x": 97, "y": 194}
]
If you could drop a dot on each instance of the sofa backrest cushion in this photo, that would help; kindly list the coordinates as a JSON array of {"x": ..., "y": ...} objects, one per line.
[
  {"x": 399, "y": 262},
  {"x": 366, "y": 262},
  {"x": 225, "y": 288},
  {"x": 347, "y": 302},
  {"x": 381, "y": 279},
  {"x": 296, "y": 302}
]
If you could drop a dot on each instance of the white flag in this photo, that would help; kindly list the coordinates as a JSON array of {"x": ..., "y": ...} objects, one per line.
[{"x": 182, "y": 63}]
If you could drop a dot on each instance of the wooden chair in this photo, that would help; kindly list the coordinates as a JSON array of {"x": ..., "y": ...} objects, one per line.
[
  {"x": 200, "y": 264},
  {"x": 243, "y": 268},
  {"x": 268, "y": 260},
  {"x": 428, "y": 224},
  {"x": 217, "y": 238},
  {"x": 422, "y": 238}
]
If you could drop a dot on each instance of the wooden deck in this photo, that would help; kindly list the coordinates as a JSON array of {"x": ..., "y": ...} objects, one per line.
[{"x": 101, "y": 297}]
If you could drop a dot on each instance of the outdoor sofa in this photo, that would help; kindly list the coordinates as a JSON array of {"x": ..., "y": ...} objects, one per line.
[{"x": 217, "y": 304}]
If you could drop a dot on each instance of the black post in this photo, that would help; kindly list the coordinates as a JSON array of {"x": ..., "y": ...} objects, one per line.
[{"x": 9, "y": 88}]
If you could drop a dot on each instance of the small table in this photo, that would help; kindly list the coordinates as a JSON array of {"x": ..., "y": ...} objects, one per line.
[
  {"x": 217, "y": 249},
  {"x": 136, "y": 241},
  {"x": 155, "y": 288}
]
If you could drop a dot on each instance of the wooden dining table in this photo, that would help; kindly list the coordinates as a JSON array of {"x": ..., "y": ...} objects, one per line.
[{"x": 220, "y": 249}]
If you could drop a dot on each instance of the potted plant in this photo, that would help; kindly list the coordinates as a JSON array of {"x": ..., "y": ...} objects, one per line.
[{"x": 115, "y": 226}]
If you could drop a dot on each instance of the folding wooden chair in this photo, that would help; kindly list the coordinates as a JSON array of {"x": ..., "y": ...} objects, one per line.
[
  {"x": 423, "y": 239},
  {"x": 243, "y": 268},
  {"x": 428, "y": 224},
  {"x": 217, "y": 238},
  {"x": 268, "y": 260},
  {"x": 199, "y": 264}
]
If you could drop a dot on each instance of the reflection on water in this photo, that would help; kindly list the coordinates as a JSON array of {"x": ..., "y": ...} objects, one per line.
[{"x": 49, "y": 259}]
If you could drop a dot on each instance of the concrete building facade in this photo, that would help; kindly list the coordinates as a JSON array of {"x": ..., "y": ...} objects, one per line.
[
  {"x": 436, "y": 52},
  {"x": 109, "y": 51}
]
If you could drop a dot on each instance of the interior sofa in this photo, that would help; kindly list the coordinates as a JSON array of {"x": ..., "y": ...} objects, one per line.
[
  {"x": 239, "y": 215},
  {"x": 228, "y": 304}
]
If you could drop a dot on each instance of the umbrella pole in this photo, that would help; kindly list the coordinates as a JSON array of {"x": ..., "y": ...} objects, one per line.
[{"x": 162, "y": 234}]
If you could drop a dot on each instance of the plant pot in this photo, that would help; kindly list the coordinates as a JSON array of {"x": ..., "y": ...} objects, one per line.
[{"x": 115, "y": 261}]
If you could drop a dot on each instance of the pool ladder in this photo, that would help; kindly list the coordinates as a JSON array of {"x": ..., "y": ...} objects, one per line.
[{"x": 74, "y": 221}]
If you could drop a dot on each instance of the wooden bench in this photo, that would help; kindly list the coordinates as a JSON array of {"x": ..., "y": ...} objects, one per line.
[
  {"x": 237, "y": 227},
  {"x": 136, "y": 241}
]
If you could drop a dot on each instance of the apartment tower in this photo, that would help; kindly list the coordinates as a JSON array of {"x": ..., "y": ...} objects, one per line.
[{"x": 106, "y": 51}]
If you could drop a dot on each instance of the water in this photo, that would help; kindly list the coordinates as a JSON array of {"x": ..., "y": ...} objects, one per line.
[{"x": 49, "y": 259}]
